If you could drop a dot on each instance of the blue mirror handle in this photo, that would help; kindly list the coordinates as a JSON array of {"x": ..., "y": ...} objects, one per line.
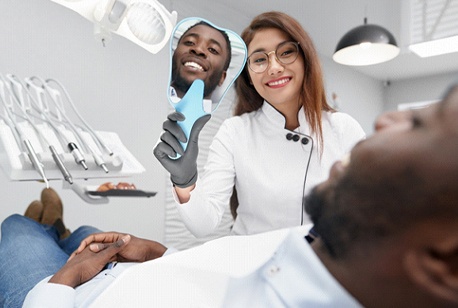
[{"x": 191, "y": 106}]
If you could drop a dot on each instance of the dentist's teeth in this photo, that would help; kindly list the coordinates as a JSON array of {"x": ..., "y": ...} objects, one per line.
[
  {"x": 278, "y": 82},
  {"x": 194, "y": 65},
  {"x": 345, "y": 160}
]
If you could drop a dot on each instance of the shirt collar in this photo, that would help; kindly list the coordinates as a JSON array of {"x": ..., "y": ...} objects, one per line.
[
  {"x": 300, "y": 261},
  {"x": 278, "y": 120}
]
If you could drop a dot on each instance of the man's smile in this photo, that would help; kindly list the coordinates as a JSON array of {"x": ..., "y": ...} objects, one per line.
[{"x": 194, "y": 65}]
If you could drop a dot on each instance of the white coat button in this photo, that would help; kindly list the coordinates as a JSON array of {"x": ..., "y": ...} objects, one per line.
[{"x": 273, "y": 270}]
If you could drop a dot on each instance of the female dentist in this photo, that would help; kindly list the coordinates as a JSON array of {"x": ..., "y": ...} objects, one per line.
[{"x": 282, "y": 141}]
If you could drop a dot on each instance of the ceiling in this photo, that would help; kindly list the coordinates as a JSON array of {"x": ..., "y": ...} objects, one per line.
[{"x": 327, "y": 21}]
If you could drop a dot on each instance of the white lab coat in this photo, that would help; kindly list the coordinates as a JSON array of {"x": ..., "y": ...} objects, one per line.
[{"x": 270, "y": 172}]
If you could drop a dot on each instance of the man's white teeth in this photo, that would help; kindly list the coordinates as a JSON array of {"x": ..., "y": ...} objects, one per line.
[
  {"x": 194, "y": 65},
  {"x": 278, "y": 82}
]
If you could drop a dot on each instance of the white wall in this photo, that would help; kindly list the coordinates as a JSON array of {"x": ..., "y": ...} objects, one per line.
[
  {"x": 417, "y": 90},
  {"x": 358, "y": 95}
]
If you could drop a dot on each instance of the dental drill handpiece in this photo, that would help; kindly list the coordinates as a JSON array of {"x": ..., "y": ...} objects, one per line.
[
  {"x": 35, "y": 161},
  {"x": 79, "y": 158},
  {"x": 60, "y": 165},
  {"x": 99, "y": 161}
]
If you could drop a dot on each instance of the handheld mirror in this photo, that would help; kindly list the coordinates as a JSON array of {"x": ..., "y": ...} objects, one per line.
[{"x": 205, "y": 60}]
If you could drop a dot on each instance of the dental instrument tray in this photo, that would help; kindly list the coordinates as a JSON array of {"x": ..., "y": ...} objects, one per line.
[
  {"x": 41, "y": 140},
  {"x": 122, "y": 193}
]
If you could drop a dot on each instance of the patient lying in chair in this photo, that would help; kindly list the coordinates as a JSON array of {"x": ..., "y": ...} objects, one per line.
[{"x": 371, "y": 217}]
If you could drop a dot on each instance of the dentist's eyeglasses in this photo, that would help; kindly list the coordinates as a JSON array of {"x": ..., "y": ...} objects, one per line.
[{"x": 286, "y": 53}]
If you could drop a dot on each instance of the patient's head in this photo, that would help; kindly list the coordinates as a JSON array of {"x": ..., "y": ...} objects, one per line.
[
  {"x": 390, "y": 212},
  {"x": 405, "y": 174},
  {"x": 203, "y": 52}
]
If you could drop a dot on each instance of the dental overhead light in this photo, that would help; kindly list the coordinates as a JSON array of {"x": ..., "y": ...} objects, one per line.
[{"x": 145, "y": 22}]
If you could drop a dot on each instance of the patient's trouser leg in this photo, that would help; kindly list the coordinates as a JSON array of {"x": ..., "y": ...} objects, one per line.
[{"x": 29, "y": 252}]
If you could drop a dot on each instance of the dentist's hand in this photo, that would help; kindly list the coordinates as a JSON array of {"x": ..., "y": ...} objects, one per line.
[{"x": 183, "y": 170}]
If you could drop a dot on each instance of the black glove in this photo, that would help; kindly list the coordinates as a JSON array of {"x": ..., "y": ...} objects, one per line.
[{"x": 183, "y": 170}]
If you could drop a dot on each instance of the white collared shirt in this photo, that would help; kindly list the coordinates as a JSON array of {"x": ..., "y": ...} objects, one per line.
[{"x": 273, "y": 269}]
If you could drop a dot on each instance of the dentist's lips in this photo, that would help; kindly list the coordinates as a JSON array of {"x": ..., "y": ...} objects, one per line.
[{"x": 278, "y": 82}]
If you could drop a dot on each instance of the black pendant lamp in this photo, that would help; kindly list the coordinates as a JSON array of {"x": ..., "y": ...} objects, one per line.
[{"x": 366, "y": 45}]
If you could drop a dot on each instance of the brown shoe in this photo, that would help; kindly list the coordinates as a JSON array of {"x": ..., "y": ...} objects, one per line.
[
  {"x": 34, "y": 211},
  {"x": 52, "y": 206},
  {"x": 63, "y": 232},
  {"x": 53, "y": 211}
]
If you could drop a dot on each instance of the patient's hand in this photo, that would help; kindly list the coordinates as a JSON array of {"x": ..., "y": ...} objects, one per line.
[
  {"x": 87, "y": 263},
  {"x": 138, "y": 249}
]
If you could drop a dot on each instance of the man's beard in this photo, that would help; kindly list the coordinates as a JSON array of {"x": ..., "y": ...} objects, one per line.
[
  {"x": 341, "y": 215},
  {"x": 314, "y": 205}
]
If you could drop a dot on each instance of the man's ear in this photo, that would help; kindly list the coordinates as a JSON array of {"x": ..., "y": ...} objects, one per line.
[
  {"x": 223, "y": 77},
  {"x": 435, "y": 269}
]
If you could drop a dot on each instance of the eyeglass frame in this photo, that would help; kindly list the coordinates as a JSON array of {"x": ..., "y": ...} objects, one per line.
[{"x": 275, "y": 53}]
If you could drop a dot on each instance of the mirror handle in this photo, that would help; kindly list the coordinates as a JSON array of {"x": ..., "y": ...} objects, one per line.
[{"x": 191, "y": 106}]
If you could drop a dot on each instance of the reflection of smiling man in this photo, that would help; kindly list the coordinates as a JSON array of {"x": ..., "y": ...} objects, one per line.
[{"x": 203, "y": 52}]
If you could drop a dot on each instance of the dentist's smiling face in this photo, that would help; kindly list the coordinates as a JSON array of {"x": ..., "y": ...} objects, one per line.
[
  {"x": 280, "y": 84},
  {"x": 201, "y": 53}
]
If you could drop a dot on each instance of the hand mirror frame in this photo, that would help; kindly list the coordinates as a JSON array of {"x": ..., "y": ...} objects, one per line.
[{"x": 191, "y": 104}]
